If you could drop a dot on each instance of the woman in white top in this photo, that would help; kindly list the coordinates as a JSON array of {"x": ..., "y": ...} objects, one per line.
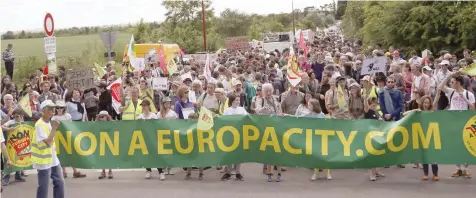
[
  {"x": 165, "y": 110},
  {"x": 303, "y": 108},
  {"x": 234, "y": 109},
  {"x": 104, "y": 116},
  {"x": 148, "y": 115}
]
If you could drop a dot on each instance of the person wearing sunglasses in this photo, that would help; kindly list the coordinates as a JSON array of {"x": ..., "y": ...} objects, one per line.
[{"x": 62, "y": 115}]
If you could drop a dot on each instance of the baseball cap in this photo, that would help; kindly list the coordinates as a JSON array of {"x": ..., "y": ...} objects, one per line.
[
  {"x": 427, "y": 68},
  {"x": 354, "y": 85},
  {"x": 103, "y": 113},
  {"x": 47, "y": 103},
  {"x": 367, "y": 78},
  {"x": 445, "y": 62}
]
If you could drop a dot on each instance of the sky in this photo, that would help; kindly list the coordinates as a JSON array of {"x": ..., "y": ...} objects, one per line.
[{"x": 29, "y": 14}]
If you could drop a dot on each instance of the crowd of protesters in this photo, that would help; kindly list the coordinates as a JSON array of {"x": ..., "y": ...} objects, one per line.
[{"x": 254, "y": 82}]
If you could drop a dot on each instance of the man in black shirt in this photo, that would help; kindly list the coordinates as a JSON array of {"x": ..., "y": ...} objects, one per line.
[{"x": 105, "y": 99}]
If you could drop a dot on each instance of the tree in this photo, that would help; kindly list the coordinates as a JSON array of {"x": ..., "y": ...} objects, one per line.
[
  {"x": 232, "y": 23},
  {"x": 8, "y": 35}
]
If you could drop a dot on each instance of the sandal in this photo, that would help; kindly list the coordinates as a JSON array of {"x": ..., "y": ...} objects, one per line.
[{"x": 79, "y": 175}]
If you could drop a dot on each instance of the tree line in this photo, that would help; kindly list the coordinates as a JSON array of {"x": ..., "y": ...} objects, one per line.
[{"x": 412, "y": 25}]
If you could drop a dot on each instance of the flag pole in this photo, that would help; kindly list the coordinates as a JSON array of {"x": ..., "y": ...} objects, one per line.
[{"x": 204, "y": 28}]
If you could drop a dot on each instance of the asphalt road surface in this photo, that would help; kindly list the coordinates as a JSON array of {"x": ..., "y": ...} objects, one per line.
[{"x": 398, "y": 183}]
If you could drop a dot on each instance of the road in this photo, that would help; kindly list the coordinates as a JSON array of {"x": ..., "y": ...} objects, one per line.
[{"x": 398, "y": 183}]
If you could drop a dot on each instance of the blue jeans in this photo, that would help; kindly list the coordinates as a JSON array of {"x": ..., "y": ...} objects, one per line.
[{"x": 44, "y": 179}]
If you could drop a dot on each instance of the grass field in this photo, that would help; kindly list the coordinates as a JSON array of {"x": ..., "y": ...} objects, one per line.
[{"x": 71, "y": 51}]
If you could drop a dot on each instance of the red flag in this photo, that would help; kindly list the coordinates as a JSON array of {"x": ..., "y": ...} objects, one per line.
[
  {"x": 162, "y": 60},
  {"x": 45, "y": 70},
  {"x": 303, "y": 46},
  {"x": 181, "y": 52}
]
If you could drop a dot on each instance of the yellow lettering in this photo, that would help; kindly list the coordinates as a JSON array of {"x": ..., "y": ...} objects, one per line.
[
  {"x": 65, "y": 142},
  {"x": 368, "y": 142},
  {"x": 390, "y": 136},
  {"x": 137, "y": 142},
  {"x": 246, "y": 135},
  {"x": 418, "y": 134},
  {"x": 308, "y": 141},
  {"x": 178, "y": 145},
  {"x": 92, "y": 146},
  {"x": 236, "y": 139},
  {"x": 325, "y": 140},
  {"x": 201, "y": 141},
  {"x": 270, "y": 132},
  {"x": 161, "y": 142},
  {"x": 105, "y": 139},
  {"x": 346, "y": 142},
  {"x": 286, "y": 141}
]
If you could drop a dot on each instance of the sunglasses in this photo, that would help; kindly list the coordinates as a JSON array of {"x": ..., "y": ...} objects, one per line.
[{"x": 60, "y": 108}]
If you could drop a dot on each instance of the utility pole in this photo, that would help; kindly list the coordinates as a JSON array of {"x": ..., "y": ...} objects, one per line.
[{"x": 204, "y": 27}]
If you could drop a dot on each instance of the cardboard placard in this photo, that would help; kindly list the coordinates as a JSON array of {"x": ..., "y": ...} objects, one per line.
[
  {"x": 160, "y": 83},
  {"x": 151, "y": 59},
  {"x": 82, "y": 78},
  {"x": 374, "y": 65},
  {"x": 237, "y": 43}
]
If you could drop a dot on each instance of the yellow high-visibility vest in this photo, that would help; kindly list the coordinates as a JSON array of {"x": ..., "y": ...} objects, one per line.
[
  {"x": 41, "y": 153},
  {"x": 131, "y": 112}
]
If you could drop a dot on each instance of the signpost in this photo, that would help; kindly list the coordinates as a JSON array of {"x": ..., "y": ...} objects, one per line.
[
  {"x": 50, "y": 43},
  {"x": 109, "y": 38}
]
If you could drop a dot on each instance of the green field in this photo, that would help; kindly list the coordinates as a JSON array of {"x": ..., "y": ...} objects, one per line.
[{"x": 71, "y": 51}]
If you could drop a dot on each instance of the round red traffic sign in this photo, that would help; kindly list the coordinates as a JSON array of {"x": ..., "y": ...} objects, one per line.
[{"x": 49, "y": 25}]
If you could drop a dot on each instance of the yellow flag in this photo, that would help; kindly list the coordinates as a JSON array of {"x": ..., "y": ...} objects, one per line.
[
  {"x": 25, "y": 104},
  {"x": 205, "y": 119},
  {"x": 470, "y": 70},
  {"x": 100, "y": 72},
  {"x": 171, "y": 66},
  {"x": 340, "y": 97},
  {"x": 219, "y": 50}
]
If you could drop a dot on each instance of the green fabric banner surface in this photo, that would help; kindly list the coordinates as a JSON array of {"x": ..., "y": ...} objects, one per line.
[{"x": 442, "y": 137}]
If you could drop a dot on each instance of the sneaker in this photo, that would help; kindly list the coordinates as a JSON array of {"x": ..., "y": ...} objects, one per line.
[
  {"x": 224, "y": 170},
  {"x": 380, "y": 174},
  {"x": 162, "y": 176},
  {"x": 315, "y": 176},
  {"x": 329, "y": 177},
  {"x": 226, "y": 176},
  {"x": 436, "y": 178},
  {"x": 425, "y": 177},
  {"x": 102, "y": 176},
  {"x": 188, "y": 176},
  {"x": 270, "y": 179},
  {"x": 200, "y": 176},
  {"x": 457, "y": 173},
  {"x": 233, "y": 172},
  {"x": 148, "y": 175},
  {"x": 239, "y": 177},
  {"x": 79, "y": 175},
  {"x": 278, "y": 179},
  {"x": 467, "y": 174},
  {"x": 5, "y": 180},
  {"x": 109, "y": 175},
  {"x": 373, "y": 178},
  {"x": 401, "y": 166},
  {"x": 20, "y": 179}
]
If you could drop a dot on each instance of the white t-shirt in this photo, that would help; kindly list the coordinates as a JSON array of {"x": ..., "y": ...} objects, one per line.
[
  {"x": 457, "y": 101},
  {"x": 40, "y": 136},
  {"x": 235, "y": 111},
  {"x": 170, "y": 115},
  {"x": 64, "y": 117},
  {"x": 152, "y": 116}
]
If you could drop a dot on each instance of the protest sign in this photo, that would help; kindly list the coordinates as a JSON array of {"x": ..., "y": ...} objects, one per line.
[
  {"x": 421, "y": 137},
  {"x": 160, "y": 83},
  {"x": 237, "y": 43},
  {"x": 140, "y": 64},
  {"x": 82, "y": 78},
  {"x": 374, "y": 65},
  {"x": 151, "y": 59}
]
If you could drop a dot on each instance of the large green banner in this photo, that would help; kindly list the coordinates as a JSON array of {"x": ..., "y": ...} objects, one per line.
[{"x": 443, "y": 137}]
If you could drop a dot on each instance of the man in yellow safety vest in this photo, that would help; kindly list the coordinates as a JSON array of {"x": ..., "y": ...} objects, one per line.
[
  {"x": 132, "y": 109},
  {"x": 43, "y": 153}
]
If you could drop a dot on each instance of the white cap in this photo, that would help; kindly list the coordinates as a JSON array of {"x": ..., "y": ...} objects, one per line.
[
  {"x": 427, "y": 68},
  {"x": 47, "y": 103},
  {"x": 445, "y": 62}
]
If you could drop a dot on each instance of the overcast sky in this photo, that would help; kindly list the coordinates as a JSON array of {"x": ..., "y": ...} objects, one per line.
[{"x": 20, "y": 15}]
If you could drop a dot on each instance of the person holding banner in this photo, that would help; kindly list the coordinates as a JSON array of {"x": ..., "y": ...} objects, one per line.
[
  {"x": 104, "y": 116},
  {"x": 43, "y": 153},
  {"x": 4, "y": 152},
  {"x": 9, "y": 127}
]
